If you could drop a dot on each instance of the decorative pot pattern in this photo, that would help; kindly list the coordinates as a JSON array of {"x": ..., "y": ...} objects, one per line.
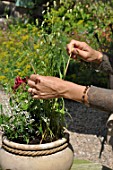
[{"x": 57, "y": 155}]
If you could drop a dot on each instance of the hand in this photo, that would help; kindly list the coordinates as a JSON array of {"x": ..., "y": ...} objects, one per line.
[
  {"x": 84, "y": 51},
  {"x": 46, "y": 87}
]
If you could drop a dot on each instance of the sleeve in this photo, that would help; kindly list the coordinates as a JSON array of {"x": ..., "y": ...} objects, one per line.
[
  {"x": 107, "y": 63},
  {"x": 101, "y": 98}
]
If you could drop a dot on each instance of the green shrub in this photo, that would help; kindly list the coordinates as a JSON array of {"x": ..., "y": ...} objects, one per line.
[
  {"x": 26, "y": 45},
  {"x": 24, "y": 50}
]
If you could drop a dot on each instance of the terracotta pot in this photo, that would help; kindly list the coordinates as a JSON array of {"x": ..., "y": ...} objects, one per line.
[{"x": 57, "y": 155}]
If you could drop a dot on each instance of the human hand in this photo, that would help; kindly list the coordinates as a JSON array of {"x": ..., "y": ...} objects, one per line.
[
  {"x": 46, "y": 87},
  {"x": 84, "y": 51}
]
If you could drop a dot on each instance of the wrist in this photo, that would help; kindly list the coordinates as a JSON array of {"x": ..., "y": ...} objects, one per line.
[
  {"x": 75, "y": 92},
  {"x": 99, "y": 57}
]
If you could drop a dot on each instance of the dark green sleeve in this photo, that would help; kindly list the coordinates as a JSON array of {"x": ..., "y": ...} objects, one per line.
[{"x": 101, "y": 98}]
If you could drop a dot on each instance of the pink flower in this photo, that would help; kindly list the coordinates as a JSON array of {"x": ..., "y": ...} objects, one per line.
[{"x": 18, "y": 82}]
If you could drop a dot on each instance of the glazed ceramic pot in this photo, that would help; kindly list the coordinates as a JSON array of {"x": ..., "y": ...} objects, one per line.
[{"x": 57, "y": 155}]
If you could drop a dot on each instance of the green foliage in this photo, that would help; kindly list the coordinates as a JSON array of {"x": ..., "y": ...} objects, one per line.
[
  {"x": 22, "y": 47},
  {"x": 36, "y": 127},
  {"x": 87, "y": 21},
  {"x": 27, "y": 49},
  {"x": 32, "y": 121}
]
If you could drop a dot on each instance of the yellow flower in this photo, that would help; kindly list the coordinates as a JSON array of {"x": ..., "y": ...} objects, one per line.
[
  {"x": 36, "y": 46},
  {"x": 6, "y": 70},
  {"x": 12, "y": 49},
  {"x": 19, "y": 33},
  {"x": 2, "y": 77},
  {"x": 3, "y": 55},
  {"x": 25, "y": 38},
  {"x": 28, "y": 66}
]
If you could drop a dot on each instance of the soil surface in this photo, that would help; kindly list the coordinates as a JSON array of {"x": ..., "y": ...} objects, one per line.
[{"x": 87, "y": 128}]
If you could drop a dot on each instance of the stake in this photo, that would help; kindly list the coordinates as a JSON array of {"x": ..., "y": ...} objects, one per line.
[
  {"x": 33, "y": 67},
  {"x": 68, "y": 63}
]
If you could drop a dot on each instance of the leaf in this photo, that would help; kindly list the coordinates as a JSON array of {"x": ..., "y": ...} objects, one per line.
[
  {"x": 80, "y": 22},
  {"x": 40, "y": 129}
]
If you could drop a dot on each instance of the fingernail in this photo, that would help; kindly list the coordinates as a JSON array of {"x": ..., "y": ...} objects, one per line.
[{"x": 37, "y": 81}]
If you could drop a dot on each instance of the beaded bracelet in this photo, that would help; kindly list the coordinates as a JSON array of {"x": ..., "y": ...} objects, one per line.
[{"x": 84, "y": 94}]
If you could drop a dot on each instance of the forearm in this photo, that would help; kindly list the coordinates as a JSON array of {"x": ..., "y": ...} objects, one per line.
[
  {"x": 75, "y": 92},
  {"x": 106, "y": 63},
  {"x": 95, "y": 97},
  {"x": 100, "y": 98}
]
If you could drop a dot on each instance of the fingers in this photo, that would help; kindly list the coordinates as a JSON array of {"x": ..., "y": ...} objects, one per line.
[
  {"x": 34, "y": 80},
  {"x": 44, "y": 96},
  {"x": 33, "y": 84},
  {"x": 80, "y": 53},
  {"x": 33, "y": 91},
  {"x": 74, "y": 44},
  {"x": 75, "y": 48},
  {"x": 34, "y": 77},
  {"x": 80, "y": 49},
  {"x": 41, "y": 95}
]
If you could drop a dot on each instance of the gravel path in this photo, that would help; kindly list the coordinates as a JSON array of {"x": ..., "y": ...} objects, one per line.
[
  {"x": 4, "y": 100},
  {"x": 88, "y": 134},
  {"x": 87, "y": 129}
]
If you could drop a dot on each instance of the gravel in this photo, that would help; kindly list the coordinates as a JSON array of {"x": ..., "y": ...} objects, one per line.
[{"x": 88, "y": 134}]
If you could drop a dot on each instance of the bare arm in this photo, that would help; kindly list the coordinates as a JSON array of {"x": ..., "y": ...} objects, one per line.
[{"x": 46, "y": 87}]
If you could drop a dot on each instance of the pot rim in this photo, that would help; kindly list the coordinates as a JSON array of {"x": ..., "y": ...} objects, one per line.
[{"x": 37, "y": 147}]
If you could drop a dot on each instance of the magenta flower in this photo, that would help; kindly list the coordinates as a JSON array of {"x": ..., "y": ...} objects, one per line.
[{"x": 18, "y": 82}]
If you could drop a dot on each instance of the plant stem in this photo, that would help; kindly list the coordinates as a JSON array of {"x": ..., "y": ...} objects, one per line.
[
  {"x": 68, "y": 63},
  {"x": 33, "y": 67}
]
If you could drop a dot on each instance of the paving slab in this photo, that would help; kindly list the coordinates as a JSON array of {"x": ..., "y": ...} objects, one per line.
[
  {"x": 89, "y": 166},
  {"x": 80, "y": 164}
]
